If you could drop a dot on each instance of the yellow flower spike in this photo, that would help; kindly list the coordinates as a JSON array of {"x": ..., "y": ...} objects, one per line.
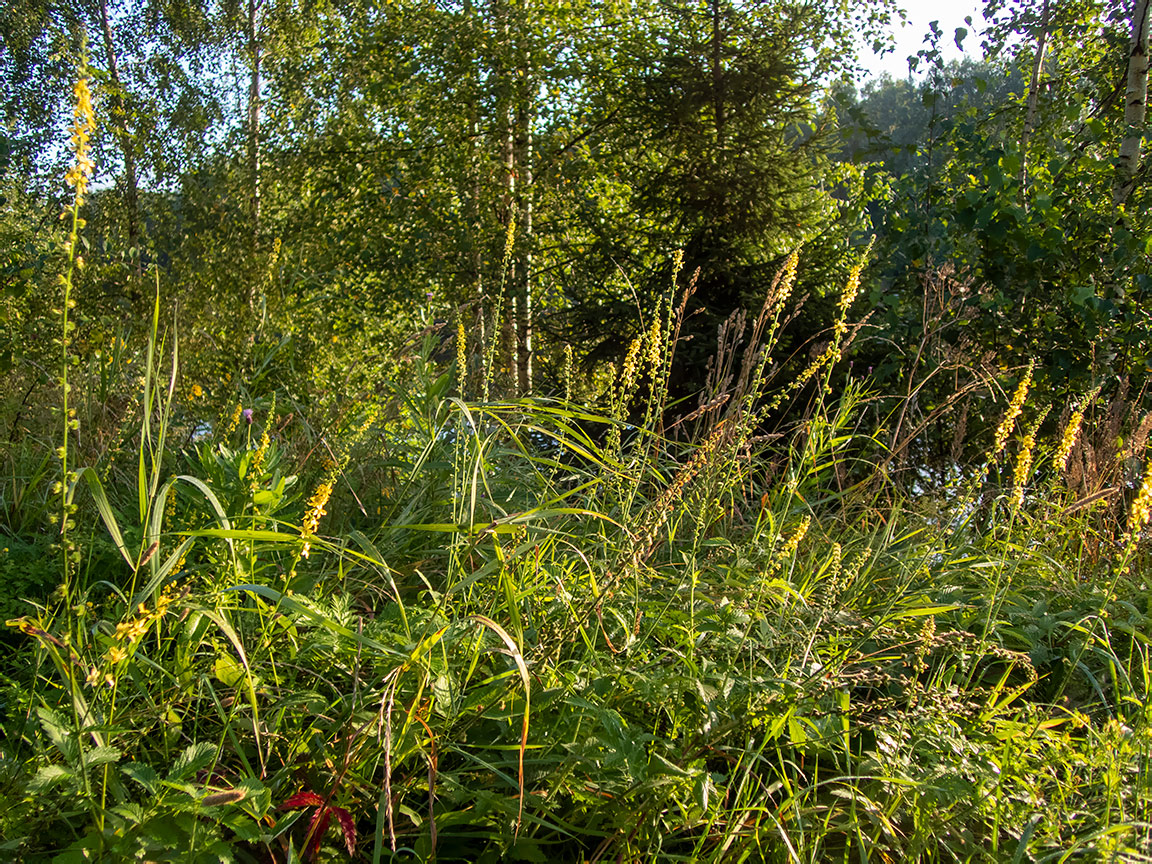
[
  {"x": 256, "y": 466},
  {"x": 567, "y": 373},
  {"x": 509, "y": 239},
  {"x": 788, "y": 280},
  {"x": 655, "y": 343},
  {"x": 316, "y": 505},
  {"x": 793, "y": 542},
  {"x": 1015, "y": 407},
  {"x": 461, "y": 353},
  {"x": 1023, "y": 467},
  {"x": 234, "y": 421},
  {"x": 83, "y": 125},
  {"x": 631, "y": 361},
  {"x": 1072, "y": 431},
  {"x": 1142, "y": 507}
]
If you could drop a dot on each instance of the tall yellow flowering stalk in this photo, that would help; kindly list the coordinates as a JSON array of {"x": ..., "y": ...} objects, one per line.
[
  {"x": 1142, "y": 507},
  {"x": 1023, "y": 468},
  {"x": 83, "y": 125},
  {"x": 831, "y": 354},
  {"x": 316, "y": 505},
  {"x": 461, "y": 355},
  {"x": 1015, "y": 408},
  {"x": 78, "y": 176},
  {"x": 1071, "y": 432}
]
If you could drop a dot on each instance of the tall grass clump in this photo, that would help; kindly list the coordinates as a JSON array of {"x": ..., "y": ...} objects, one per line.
[{"x": 427, "y": 626}]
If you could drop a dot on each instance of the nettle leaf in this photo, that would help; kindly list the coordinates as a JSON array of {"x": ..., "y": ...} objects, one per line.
[
  {"x": 134, "y": 813},
  {"x": 49, "y": 776},
  {"x": 142, "y": 774},
  {"x": 59, "y": 731},
  {"x": 194, "y": 757},
  {"x": 101, "y": 756}
]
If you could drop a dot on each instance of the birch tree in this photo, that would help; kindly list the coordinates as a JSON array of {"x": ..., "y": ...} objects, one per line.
[{"x": 1135, "y": 103}]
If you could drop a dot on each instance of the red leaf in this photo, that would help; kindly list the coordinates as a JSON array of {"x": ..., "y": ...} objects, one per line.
[
  {"x": 302, "y": 799},
  {"x": 348, "y": 825},
  {"x": 316, "y": 829}
]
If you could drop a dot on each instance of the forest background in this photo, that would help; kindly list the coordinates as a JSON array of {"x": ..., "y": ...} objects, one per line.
[{"x": 517, "y": 296}]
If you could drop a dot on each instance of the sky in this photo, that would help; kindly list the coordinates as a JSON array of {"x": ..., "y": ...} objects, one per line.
[{"x": 910, "y": 37}]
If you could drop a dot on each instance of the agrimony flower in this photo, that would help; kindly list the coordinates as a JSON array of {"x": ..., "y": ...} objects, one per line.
[
  {"x": 788, "y": 279},
  {"x": 1024, "y": 461},
  {"x": 316, "y": 505},
  {"x": 461, "y": 353},
  {"x": 567, "y": 373},
  {"x": 1015, "y": 407},
  {"x": 256, "y": 466},
  {"x": 794, "y": 541},
  {"x": 1071, "y": 431},
  {"x": 234, "y": 421},
  {"x": 655, "y": 342},
  {"x": 1142, "y": 507},
  {"x": 83, "y": 125}
]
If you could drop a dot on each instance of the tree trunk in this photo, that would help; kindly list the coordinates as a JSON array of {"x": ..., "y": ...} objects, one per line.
[
  {"x": 524, "y": 276},
  {"x": 120, "y": 120},
  {"x": 1033, "y": 98},
  {"x": 472, "y": 287},
  {"x": 509, "y": 356},
  {"x": 717, "y": 75},
  {"x": 254, "y": 50},
  {"x": 1135, "y": 104}
]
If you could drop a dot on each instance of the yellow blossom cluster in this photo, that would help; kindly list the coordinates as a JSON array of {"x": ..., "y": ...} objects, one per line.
[
  {"x": 631, "y": 364},
  {"x": 655, "y": 343},
  {"x": 847, "y": 298},
  {"x": 1071, "y": 431},
  {"x": 1015, "y": 407},
  {"x": 793, "y": 541},
  {"x": 234, "y": 421},
  {"x": 1024, "y": 461},
  {"x": 509, "y": 239},
  {"x": 1142, "y": 507},
  {"x": 316, "y": 505},
  {"x": 568, "y": 373},
  {"x": 83, "y": 125},
  {"x": 788, "y": 279},
  {"x": 461, "y": 354},
  {"x": 129, "y": 632},
  {"x": 256, "y": 465}
]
